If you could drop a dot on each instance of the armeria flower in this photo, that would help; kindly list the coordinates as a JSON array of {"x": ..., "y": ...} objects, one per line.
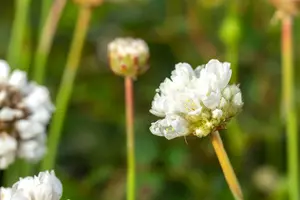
[
  {"x": 25, "y": 110},
  {"x": 196, "y": 101},
  {"x": 128, "y": 56},
  {"x": 45, "y": 186}
]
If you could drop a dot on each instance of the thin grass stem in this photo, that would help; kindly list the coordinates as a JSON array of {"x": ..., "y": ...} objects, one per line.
[
  {"x": 18, "y": 33},
  {"x": 45, "y": 40},
  {"x": 289, "y": 108},
  {"x": 66, "y": 86}
]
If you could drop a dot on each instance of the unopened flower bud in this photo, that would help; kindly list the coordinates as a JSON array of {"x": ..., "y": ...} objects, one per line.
[
  {"x": 230, "y": 30},
  {"x": 286, "y": 7},
  {"x": 128, "y": 56}
]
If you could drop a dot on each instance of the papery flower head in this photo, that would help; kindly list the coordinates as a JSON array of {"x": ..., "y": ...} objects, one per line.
[
  {"x": 45, "y": 186},
  {"x": 128, "y": 56},
  {"x": 25, "y": 110},
  {"x": 195, "y": 102}
]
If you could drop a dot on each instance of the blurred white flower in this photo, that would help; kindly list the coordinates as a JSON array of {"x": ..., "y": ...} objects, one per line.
[
  {"x": 195, "y": 101},
  {"x": 45, "y": 186},
  {"x": 25, "y": 110},
  {"x": 5, "y": 193}
]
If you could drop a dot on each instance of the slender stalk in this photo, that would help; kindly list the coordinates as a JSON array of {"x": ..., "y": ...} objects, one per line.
[
  {"x": 130, "y": 138},
  {"x": 235, "y": 136},
  {"x": 45, "y": 7},
  {"x": 226, "y": 166},
  {"x": 18, "y": 33},
  {"x": 289, "y": 108},
  {"x": 46, "y": 39},
  {"x": 66, "y": 86}
]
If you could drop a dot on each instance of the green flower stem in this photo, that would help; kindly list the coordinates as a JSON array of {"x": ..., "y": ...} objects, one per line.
[
  {"x": 290, "y": 108},
  {"x": 18, "y": 33},
  {"x": 235, "y": 136},
  {"x": 45, "y": 8},
  {"x": 129, "y": 102},
  {"x": 226, "y": 166},
  {"x": 230, "y": 35},
  {"x": 66, "y": 86},
  {"x": 46, "y": 39}
]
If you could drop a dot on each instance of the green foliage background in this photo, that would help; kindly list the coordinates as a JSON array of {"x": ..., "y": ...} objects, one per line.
[{"x": 92, "y": 156}]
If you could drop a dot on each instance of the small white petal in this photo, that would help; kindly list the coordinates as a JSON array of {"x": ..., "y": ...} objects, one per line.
[
  {"x": 158, "y": 106},
  {"x": 221, "y": 72},
  {"x": 227, "y": 93},
  {"x": 29, "y": 129},
  {"x": 212, "y": 101},
  {"x": 7, "y": 114},
  {"x": 7, "y": 160},
  {"x": 217, "y": 113},
  {"x": 196, "y": 112},
  {"x": 170, "y": 127},
  {"x": 237, "y": 99},
  {"x": 223, "y": 102},
  {"x": 3, "y": 95},
  {"x": 8, "y": 147},
  {"x": 7, "y": 143},
  {"x": 234, "y": 89},
  {"x": 198, "y": 70},
  {"x": 39, "y": 97},
  {"x": 18, "y": 79},
  {"x": 31, "y": 150},
  {"x": 4, "y": 71},
  {"x": 41, "y": 115}
]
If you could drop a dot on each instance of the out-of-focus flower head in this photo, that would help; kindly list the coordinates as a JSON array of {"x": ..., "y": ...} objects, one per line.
[
  {"x": 25, "y": 110},
  {"x": 195, "y": 102},
  {"x": 284, "y": 9},
  {"x": 45, "y": 186},
  {"x": 266, "y": 179},
  {"x": 128, "y": 56}
]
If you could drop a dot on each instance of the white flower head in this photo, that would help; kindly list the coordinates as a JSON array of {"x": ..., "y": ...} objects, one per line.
[
  {"x": 195, "y": 101},
  {"x": 45, "y": 186},
  {"x": 25, "y": 110},
  {"x": 128, "y": 56}
]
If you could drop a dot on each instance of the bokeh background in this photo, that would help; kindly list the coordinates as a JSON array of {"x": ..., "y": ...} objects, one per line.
[{"x": 92, "y": 154}]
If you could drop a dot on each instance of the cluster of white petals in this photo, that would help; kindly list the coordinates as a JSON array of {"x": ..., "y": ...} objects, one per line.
[
  {"x": 128, "y": 46},
  {"x": 195, "y": 101},
  {"x": 45, "y": 186},
  {"x": 25, "y": 110}
]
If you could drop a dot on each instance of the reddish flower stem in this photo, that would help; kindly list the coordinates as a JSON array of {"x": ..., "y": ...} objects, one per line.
[{"x": 129, "y": 102}]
